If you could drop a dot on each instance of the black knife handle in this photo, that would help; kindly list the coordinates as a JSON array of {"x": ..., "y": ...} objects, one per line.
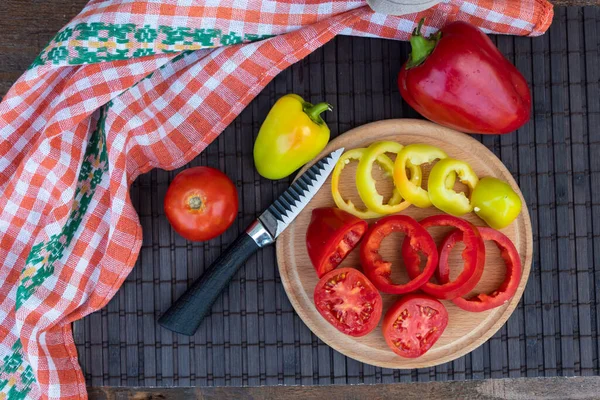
[{"x": 190, "y": 309}]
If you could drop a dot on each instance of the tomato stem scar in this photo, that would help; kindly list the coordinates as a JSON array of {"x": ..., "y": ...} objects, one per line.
[{"x": 195, "y": 202}]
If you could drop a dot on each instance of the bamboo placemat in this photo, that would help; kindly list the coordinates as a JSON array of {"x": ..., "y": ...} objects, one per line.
[{"x": 253, "y": 336}]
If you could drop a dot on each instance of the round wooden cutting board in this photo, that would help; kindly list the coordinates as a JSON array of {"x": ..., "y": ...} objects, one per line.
[{"x": 465, "y": 330}]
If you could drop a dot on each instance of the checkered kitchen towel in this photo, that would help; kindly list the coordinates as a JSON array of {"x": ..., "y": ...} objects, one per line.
[{"x": 127, "y": 86}]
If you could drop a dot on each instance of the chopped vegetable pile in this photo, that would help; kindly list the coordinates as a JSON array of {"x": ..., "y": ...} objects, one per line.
[
  {"x": 493, "y": 200},
  {"x": 350, "y": 301}
]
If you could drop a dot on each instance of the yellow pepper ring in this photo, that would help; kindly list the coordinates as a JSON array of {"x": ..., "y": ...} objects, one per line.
[
  {"x": 417, "y": 154},
  {"x": 348, "y": 205},
  {"x": 366, "y": 185},
  {"x": 451, "y": 180},
  {"x": 444, "y": 197}
]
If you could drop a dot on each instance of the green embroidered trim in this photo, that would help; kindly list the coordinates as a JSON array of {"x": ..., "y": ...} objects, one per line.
[
  {"x": 16, "y": 380},
  {"x": 40, "y": 262},
  {"x": 94, "y": 42}
]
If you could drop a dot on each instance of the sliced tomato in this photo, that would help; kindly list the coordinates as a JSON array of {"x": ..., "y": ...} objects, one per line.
[
  {"x": 473, "y": 254},
  {"x": 348, "y": 301},
  {"x": 417, "y": 240},
  {"x": 413, "y": 324},
  {"x": 331, "y": 235},
  {"x": 508, "y": 288}
]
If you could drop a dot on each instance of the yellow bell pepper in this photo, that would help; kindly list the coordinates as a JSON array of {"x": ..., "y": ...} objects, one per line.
[
  {"x": 366, "y": 185},
  {"x": 348, "y": 205},
  {"x": 444, "y": 197},
  {"x": 292, "y": 134},
  {"x": 416, "y": 154}
]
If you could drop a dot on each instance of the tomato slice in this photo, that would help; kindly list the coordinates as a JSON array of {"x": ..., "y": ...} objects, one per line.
[
  {"x": 331, "y": 235},
  {"x": 417, "y": 240},
  {"x": 508, "y": 288},
  {"x": 348, "y": 301},
  {"x": 473, "y": 254},
  {"x": 413, "y": 324}
]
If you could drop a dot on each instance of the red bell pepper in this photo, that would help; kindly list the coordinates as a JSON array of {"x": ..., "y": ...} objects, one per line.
[
  {"x": 331, "y": 235},
  {"x": 507, "y": 289},
  {"x": 473, "y": 254},
  {"x": 459, "y": 79},
  {"x": 417, "y": 240}
]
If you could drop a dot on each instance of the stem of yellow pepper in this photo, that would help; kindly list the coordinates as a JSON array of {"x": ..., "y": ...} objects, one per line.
[{"x": 314, "y": 111}]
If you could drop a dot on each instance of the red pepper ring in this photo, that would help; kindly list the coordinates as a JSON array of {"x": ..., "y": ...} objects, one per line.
[
  {"x": 417, "y": 239},
  {"x": 473, "y": 254},
  {"x": 508, "y": 288}
]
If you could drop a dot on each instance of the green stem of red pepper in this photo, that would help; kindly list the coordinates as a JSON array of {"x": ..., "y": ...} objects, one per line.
[
  {"x": 314, "y": 111},
  {"x": 421, "y": 46}
]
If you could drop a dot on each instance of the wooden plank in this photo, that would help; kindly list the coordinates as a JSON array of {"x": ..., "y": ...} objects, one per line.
[
  {"x": 572, "y": 3},
  {"x": 531, "y": 314},
  {"x": 345, "y": 117},
  {"x": 490, "y": 389},
  {"x": 556, "y": 330},
  {"x": 250, "y": 197},
  {"x": 234, "y": 322},
  {"x": 581, "y": 186},
  {"x": 508, "y": 151},
  {"x": 148, "y": 289},
  {"x": 314, "y": 80},
  {"x": 131, "y": 308},
  {"x": 563, "y": 191},
  {"x": 544, "y": 219},
  {"x": 215, "y": 323},
  {"x": 375, "y": 72},
  {"x": 329, "y": 93},
  {"x": 592, "y": 78},
  {"x": 27, "y": 26}
]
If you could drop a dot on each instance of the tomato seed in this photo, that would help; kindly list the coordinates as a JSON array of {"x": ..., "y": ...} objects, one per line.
[
  {"x": 401, "y": 344},
  {"x": 427, "y": 311}
]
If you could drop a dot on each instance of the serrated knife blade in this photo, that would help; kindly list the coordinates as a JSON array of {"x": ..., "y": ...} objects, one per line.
[
  {"x": 287, "y": 207},
  {"x": 190, "y": 309}
]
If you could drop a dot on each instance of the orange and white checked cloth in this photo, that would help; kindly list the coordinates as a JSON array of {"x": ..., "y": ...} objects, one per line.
[{"x": 127, "y": 86}]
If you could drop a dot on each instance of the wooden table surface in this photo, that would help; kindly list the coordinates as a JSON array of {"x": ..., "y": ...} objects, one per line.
[{"x": 27, "y": 25}]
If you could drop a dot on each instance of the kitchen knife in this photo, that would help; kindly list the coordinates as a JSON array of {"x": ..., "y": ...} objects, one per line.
[{"x": 188, "y": 312}]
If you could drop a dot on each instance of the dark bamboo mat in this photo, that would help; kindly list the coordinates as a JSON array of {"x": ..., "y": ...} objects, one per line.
[{"x": 253, "y": 336}]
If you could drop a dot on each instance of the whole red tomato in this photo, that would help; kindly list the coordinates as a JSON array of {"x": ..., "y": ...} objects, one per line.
[{"x": 201, "y": 203}]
